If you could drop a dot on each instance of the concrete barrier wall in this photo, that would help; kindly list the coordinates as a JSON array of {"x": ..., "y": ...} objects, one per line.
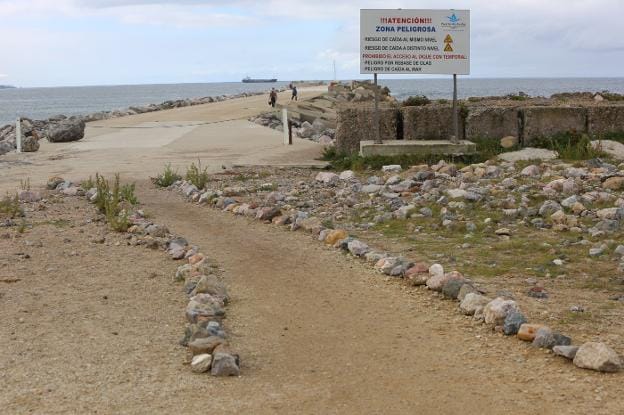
[
  {"x": 605, "y": 120},
  {"x": 540, "y": 122},
  {"x": 492, "y": 123},
  {"x": 355, "y": 124},
  {"x": 434, "y": 122},
  {"x": 429, "y": 123}
]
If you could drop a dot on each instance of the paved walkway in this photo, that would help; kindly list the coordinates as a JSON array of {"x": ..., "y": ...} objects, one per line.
[{"x": 140, "y": 145}]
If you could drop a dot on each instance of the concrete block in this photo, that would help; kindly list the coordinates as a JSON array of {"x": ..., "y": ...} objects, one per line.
[
  {"x": 548, "y": 121},
  {"x": 429, "y": 122},
  {"x": 491, "y": 123},
  {"x": 417, "y": 147},
  {"x": 355, "y": 124},
  {"x": 605, "y": 120}
]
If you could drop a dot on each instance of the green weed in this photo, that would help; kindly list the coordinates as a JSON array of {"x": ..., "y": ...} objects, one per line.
[
  {"x": 197, "y": 176},
  {"x": 111, "y": 202},
  {"x": 167, "y": 177}
]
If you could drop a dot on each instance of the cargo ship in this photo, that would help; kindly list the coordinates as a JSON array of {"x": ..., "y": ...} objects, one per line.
[{"x": 248, "y": 80}]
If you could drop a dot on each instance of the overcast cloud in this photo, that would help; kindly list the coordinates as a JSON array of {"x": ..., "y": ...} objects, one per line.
[{"x": 78, "y": 42}]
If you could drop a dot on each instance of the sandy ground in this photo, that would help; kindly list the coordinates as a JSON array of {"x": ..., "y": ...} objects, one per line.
[
  {"x": 93, "y": 328},
  {"x": 140, "y": 145}
]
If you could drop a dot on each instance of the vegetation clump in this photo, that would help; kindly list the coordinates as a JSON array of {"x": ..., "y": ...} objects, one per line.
[
  {"x": 416, "y": 101},
  {"x": 167, "y": 177},
  {"x": 196, "y": 175},
  {"x": 10, "y": 207},
  {"x": 114, "y": 202}
]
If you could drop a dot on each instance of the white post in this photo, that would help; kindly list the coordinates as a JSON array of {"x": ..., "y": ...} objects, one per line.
[
  {"x": 18, "y": 135},
  {"x": 285, "y": 125}
]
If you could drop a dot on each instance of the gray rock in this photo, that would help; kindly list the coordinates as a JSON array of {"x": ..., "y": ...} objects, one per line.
[
  {"x": 451, "y": 288},
  {"x": 497, "y": 310},
  {"x": 225, "y": 364},
  {"x": 157, "y": 231},
  {"x": 357, "y": 248},
  {"x": 547, "y": 339},
  {"x": 465, "y": 290},
  {"x": 598, "y": 356},
  {"x": 71, "y": 129},
  {"x": 473, "y": 302},
  {"x": 210, "y": 284},
  {"x": 371, "y": 188},
  {"x": 566, "y": 351},
  {"x": 30, "y": 144},
  {"x": 549, "y": 207},
  {"x": 512, "y": 323}
]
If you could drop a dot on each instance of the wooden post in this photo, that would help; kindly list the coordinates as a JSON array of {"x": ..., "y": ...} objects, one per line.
[
  {"x": 285, "y": 126},
  {"x": 376, "y": 115},
  {"x": 18, "y": 135},
  {"x": 290, "y": 125},
  {"x": 455, "y": 136}
]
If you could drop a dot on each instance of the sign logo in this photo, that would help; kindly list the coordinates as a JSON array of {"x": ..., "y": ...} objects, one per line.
[
  {"x": 453, "y": 19},
  {"x": 454, "y": 23}
]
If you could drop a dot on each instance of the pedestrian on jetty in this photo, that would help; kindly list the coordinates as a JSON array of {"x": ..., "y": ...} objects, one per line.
[
  {"x": 273, "y": 97},
  {"x": 294, "y": 93}
]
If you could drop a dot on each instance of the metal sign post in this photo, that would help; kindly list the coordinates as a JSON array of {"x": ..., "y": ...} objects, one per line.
[
  {"x": 376, "y": 125},
  {"x": 455, "y": 136},
  {"x": 18, "y": 135}
]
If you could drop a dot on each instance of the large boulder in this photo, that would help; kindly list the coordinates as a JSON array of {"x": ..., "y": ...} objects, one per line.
[
  {"x": 597, "y": 356},
  {"x": 64, "y": 131}
]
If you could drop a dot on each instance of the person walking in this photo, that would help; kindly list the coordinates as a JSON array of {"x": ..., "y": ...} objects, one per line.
[
  {"x": 273, "y": 97},
  {"x": 294, "y": 93}
]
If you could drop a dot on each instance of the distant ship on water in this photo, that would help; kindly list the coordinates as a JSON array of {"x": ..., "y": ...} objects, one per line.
[
  {"x": 7, "y": 87},
  {"x": 248, "y": 80}
]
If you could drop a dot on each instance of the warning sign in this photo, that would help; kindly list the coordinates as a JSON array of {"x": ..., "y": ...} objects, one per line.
[{"x": 414, "y": 41}]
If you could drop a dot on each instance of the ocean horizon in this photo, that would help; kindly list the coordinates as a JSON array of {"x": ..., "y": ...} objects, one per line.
[{"x": 44, "y": 102}]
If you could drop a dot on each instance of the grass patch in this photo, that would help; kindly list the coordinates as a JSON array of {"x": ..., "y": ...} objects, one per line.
[
  {"x": 167, "y": 177},
  {"x": 570, "y": 146},
  {"x": 197, "y": 176},
  {"x": 10, "y": 207}
]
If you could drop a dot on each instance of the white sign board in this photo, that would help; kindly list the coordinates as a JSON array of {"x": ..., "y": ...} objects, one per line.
[{"x": 394, "y": 41}]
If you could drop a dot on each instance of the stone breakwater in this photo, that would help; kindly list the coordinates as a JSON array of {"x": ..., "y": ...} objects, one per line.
[
  {"x": 553, "y": 197},
  {"x": 64, "y": 129},
  {"x": 204, "y": 336}
]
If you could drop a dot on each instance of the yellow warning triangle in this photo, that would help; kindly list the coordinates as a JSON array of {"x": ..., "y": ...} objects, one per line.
[
  {"x": 448, "y": 48},
  {"x": 448, "y": 39}
]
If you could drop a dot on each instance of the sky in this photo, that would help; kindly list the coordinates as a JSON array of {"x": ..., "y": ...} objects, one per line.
[{"x": 112, "y": 42}]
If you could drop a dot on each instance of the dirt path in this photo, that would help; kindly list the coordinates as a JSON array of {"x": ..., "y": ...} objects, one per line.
[
  {"x": 323, "y": 334},
  {"x": 93, "y": 328}
]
